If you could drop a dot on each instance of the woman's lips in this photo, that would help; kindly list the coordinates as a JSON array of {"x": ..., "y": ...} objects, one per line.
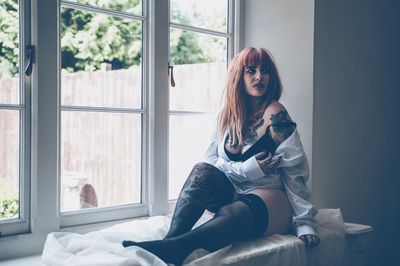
[{"x": 259, "y": 85}]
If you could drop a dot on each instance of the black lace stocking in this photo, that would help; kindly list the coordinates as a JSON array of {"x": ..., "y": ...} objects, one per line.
[
  {"x": 231, "y": 222},
  {"x": 205, "y": 188}
]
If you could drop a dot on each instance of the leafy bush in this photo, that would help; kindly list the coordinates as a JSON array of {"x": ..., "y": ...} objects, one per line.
[
  {"x": 8, "y": 37},
  {"x": 9, "y": 208},
  {"x": 88, "y": 39},
  {"x": 9, "y": 204}
]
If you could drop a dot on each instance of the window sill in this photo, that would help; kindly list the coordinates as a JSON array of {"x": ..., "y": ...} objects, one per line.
[
  {"x": 16, "y": 248},
  {"x": 26, "y": 261}
]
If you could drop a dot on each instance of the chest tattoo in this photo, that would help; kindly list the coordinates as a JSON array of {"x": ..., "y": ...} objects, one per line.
[{"x": 250, "y": 128}]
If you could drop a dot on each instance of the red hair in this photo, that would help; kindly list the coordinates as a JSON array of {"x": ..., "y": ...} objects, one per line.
[{"x": 233, "y": 112}]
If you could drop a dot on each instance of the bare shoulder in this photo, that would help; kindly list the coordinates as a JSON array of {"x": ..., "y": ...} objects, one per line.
[
  {"x": 276, "y": 106},
  {"x": 276, "y": 113},
  {"x": 282, "y": 126}
]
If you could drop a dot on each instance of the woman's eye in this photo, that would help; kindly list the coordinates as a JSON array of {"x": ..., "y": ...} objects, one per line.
[
  {"x": 250, "y": 70},
  {"x": 264, "y": 71}
]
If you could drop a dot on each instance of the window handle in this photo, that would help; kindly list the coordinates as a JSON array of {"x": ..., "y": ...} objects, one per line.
[
  {"x": 171, "y": 70},
  {"x": 30, "y": 55}
]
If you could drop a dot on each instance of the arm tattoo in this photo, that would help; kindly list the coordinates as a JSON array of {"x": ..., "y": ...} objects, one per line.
[{"x": 282, "y": 125}]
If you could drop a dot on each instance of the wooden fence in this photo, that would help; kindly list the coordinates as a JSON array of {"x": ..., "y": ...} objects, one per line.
[{"x": 104, "y": 149}]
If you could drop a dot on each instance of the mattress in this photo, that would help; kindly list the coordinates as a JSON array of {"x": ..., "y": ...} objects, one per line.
[{"x": 104, "y": 247}]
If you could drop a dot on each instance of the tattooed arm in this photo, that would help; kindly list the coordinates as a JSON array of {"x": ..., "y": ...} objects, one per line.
[
  {"x": 282, "y": 125},
  {"x": 293, "y": 179}
]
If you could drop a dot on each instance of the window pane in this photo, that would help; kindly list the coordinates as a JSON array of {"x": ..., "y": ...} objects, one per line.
[
  {"x": 189, "y": 138},
  {"x": 199, "y": 70},
  {"x": 208, "y": 14},
  {"x": 9, "y": 52},
  {"x": 100, "y": 159},
  {"x": 101, "y": 60},
  {"x": 9, "y": 164},
  {"x": 128, "y": 6}
]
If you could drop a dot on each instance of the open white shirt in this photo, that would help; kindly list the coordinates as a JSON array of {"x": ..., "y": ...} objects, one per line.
[{"x": 293, "y": 174}]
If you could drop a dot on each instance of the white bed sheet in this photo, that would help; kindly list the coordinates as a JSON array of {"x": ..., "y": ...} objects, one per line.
[{"x": 104, "y": 247}]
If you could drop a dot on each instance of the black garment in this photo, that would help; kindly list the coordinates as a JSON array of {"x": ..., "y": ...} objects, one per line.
[
  {"x": 233, "y": 222},
  {"x": 265, "y": 143},
  {"x": 205, "y": 188},
  {"x": 259, "y": 211},
  {"x": 209, "y": 188}
]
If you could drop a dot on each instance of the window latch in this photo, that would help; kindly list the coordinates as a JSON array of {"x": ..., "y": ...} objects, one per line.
[
  {"x": 30, "y": 55},
  {"x": 171, "y": 70}
]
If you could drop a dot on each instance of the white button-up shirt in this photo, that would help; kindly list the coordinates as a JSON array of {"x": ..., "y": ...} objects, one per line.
[{"x": 293, "y": 172}]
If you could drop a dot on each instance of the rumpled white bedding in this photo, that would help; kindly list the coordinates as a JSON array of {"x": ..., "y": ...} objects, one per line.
[{"x": 104, "y": 247}]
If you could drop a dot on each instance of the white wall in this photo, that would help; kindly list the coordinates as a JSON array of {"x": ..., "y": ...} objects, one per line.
[
  {"x": 286, "y": 28},
  {"x": 356, "y": 123}
]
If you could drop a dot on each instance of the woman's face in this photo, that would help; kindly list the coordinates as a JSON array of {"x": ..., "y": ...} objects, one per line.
[{"x": 256, "y": 79}]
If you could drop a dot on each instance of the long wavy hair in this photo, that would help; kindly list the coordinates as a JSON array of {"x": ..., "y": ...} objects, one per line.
[{"x": 234, "y": 100}]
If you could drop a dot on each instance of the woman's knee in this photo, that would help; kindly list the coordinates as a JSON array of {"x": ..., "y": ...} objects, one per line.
[
  {"x": 202, "y": 165},
  {"x": 236, "y": 210},
  {"x": 207, "y": 174},
  {"x": 202, "y": 175},
  {"x": 250, "y": 211},
  {"x": 213, "y": 183},
  {"x": 237, "y": 218},
  {"x": 205, "y": 169}
]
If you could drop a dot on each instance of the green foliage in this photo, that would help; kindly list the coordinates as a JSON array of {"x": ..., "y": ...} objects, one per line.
[
  {"x": 186, "y": 50},
  {"x": 9, "y": 44},
  {"x": 9, "y": 208},
  {"x": 99, "y": 39},
  {"x": 8, "y": 203},
  {"x": 89, "y": 39}
]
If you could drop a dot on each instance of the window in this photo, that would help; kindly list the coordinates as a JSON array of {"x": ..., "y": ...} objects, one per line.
[
  {"x": 14, "y": 118},
  {"x": 199, "y": 43},
  {"x": 86, "y": 138},
  {"x": 102, "y": 107}
]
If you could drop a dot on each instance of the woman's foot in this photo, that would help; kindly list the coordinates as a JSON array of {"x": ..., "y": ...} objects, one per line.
[
  {"x": 165, "y": 249},
  {"x": 310, "y": 240}
]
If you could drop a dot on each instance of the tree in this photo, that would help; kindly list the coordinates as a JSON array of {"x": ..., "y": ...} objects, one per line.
[
  {"x": 86, "y": 42},
  {"x": 186, "y": 50},
  {"x": 9, "y": 43},
  {"x": 89, "y": 39}
]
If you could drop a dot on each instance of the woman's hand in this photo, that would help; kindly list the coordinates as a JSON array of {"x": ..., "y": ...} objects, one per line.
[
  {"x": 268, "y": 165},
  {"x": 310, "y": 240}
]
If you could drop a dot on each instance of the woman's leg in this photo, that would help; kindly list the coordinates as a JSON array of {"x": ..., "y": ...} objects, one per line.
[
  {"x": 245, "y": 218},
  {"x": 206, "y": 188},
  {"x": 279, "y": 210}
]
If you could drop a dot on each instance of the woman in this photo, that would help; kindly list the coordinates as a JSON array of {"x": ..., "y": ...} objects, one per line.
[{"x": 254, "y": 172}]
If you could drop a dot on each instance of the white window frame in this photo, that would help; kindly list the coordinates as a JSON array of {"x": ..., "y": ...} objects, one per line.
[
  {"x": 21, "y": 224},
  {"x": 232, "y": 46},
  {"x": 123, "y": 211},
  {"x": 45, "y": 98},
  {"x": 159, "y": 93}
]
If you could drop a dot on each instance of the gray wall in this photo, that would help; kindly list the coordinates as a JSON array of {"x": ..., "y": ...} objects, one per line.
[
  {"x": 285, "y": 27},
  {"x": 356, "y": 132},
  {"x": 351, "y": 105}
]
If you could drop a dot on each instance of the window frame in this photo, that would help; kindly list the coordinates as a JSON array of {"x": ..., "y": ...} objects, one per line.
[
  {"x": 21, "y": 224},
  {"x": 42, "y": 152},
  {"x": 123, "y": 211},
  {"x": 231, "y": 48}
]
